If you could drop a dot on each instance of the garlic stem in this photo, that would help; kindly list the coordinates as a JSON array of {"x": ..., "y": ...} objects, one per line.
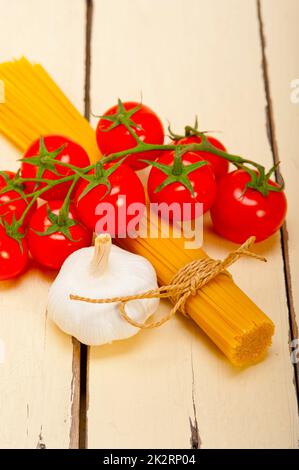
[{"x": 100, "y": 258}]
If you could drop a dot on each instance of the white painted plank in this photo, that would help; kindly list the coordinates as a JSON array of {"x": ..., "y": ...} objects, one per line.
[
  {"x": 281, "y": 35},
  {"x": 192, "y": 57},
  {"x": 37, "y": 402}
]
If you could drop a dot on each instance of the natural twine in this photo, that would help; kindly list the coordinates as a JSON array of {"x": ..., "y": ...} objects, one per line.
[{"x": 187, "y": 281}]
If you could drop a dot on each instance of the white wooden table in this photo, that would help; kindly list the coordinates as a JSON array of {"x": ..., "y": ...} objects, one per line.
[{"x": 231, "y": 62}]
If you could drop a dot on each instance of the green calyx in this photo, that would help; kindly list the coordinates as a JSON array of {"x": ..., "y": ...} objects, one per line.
[
  {"x": 122, "y": 116},
  {"x": 177, "y": 172},
  {"x": 190, "y": 131},
  {"x": 260, "y": 180},
  {"x": 45, "y": 160},
  {"x": 100, "y": 176},
  {"x": 59, "y": 223},
  {"x": 13, "y": 184},
  {"x": 12, "y": 230}
]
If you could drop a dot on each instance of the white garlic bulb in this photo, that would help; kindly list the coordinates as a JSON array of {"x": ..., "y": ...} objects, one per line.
[{"x": 102, "y": 271}]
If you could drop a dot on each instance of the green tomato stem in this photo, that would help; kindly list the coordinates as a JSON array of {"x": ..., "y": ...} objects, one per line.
[
  {"x": 204, "y": 145},
  {"x": 39, "y": 193},
  {"x": 75, "y": 168},
  {"x": 64, "y": 210},
  {"x": 98, "y": 170},
  {"x": 177, "y": 163},
  {"x": 143, "y": 147},
  {"x": 129, "y": 128}
]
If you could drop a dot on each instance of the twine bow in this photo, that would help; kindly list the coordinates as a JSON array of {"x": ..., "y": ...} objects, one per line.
[{"x": 186, "y": 282}]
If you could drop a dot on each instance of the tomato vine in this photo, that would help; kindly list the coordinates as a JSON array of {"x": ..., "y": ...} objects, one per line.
[{"x": 259, "y": 177}]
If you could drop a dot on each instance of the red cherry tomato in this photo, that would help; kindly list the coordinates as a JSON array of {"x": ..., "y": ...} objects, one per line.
[
  {"x": 51, "y": 250},
  {"x": 202, "y": 180},
  {"x": 14, "y": 201},
  {"x": 13, "y": 256},
  {"x": 219, "y": 164},
  {"x": 149, "y": 130},
  {"x": 72, "y": 153},
  {"x": 238, "y": 214},
  {"x": 126, "y": 189}
]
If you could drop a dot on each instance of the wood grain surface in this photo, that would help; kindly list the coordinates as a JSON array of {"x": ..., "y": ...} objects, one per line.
[{"x": 232, "y": 63}]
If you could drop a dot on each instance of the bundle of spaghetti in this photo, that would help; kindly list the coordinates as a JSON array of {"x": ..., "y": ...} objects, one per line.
[
  {"x": 34, "y": 105},
  {"x": 222, "y": 310}
]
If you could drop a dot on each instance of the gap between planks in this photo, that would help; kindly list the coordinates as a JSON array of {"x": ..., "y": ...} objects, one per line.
[
  {"x": 84, "y": 353},
  {"x": 271, "y": 132},
  {"x": 79, "y": 399}
]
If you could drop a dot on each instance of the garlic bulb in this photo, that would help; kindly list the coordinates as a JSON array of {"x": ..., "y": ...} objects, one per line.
[{"x": 102, "y": 271}]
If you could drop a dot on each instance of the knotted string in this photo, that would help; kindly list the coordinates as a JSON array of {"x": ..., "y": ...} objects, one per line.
[{"x": 186, "y": 282}]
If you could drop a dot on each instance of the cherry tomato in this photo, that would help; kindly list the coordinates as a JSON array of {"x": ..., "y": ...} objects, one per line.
[
  {"x": 149, "y": 129},
  {"x": 219, "y": 164},
  {"x": 46, "y": 150},
  {"x": 126, "y": 190},
  {"x": 202, "y": 181},
  {"x": 239, "y": 213},
  {"x": 51, "y": 250},
  {"x": 13, "y": 256},
  {"x": 13, "y": 202}
]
